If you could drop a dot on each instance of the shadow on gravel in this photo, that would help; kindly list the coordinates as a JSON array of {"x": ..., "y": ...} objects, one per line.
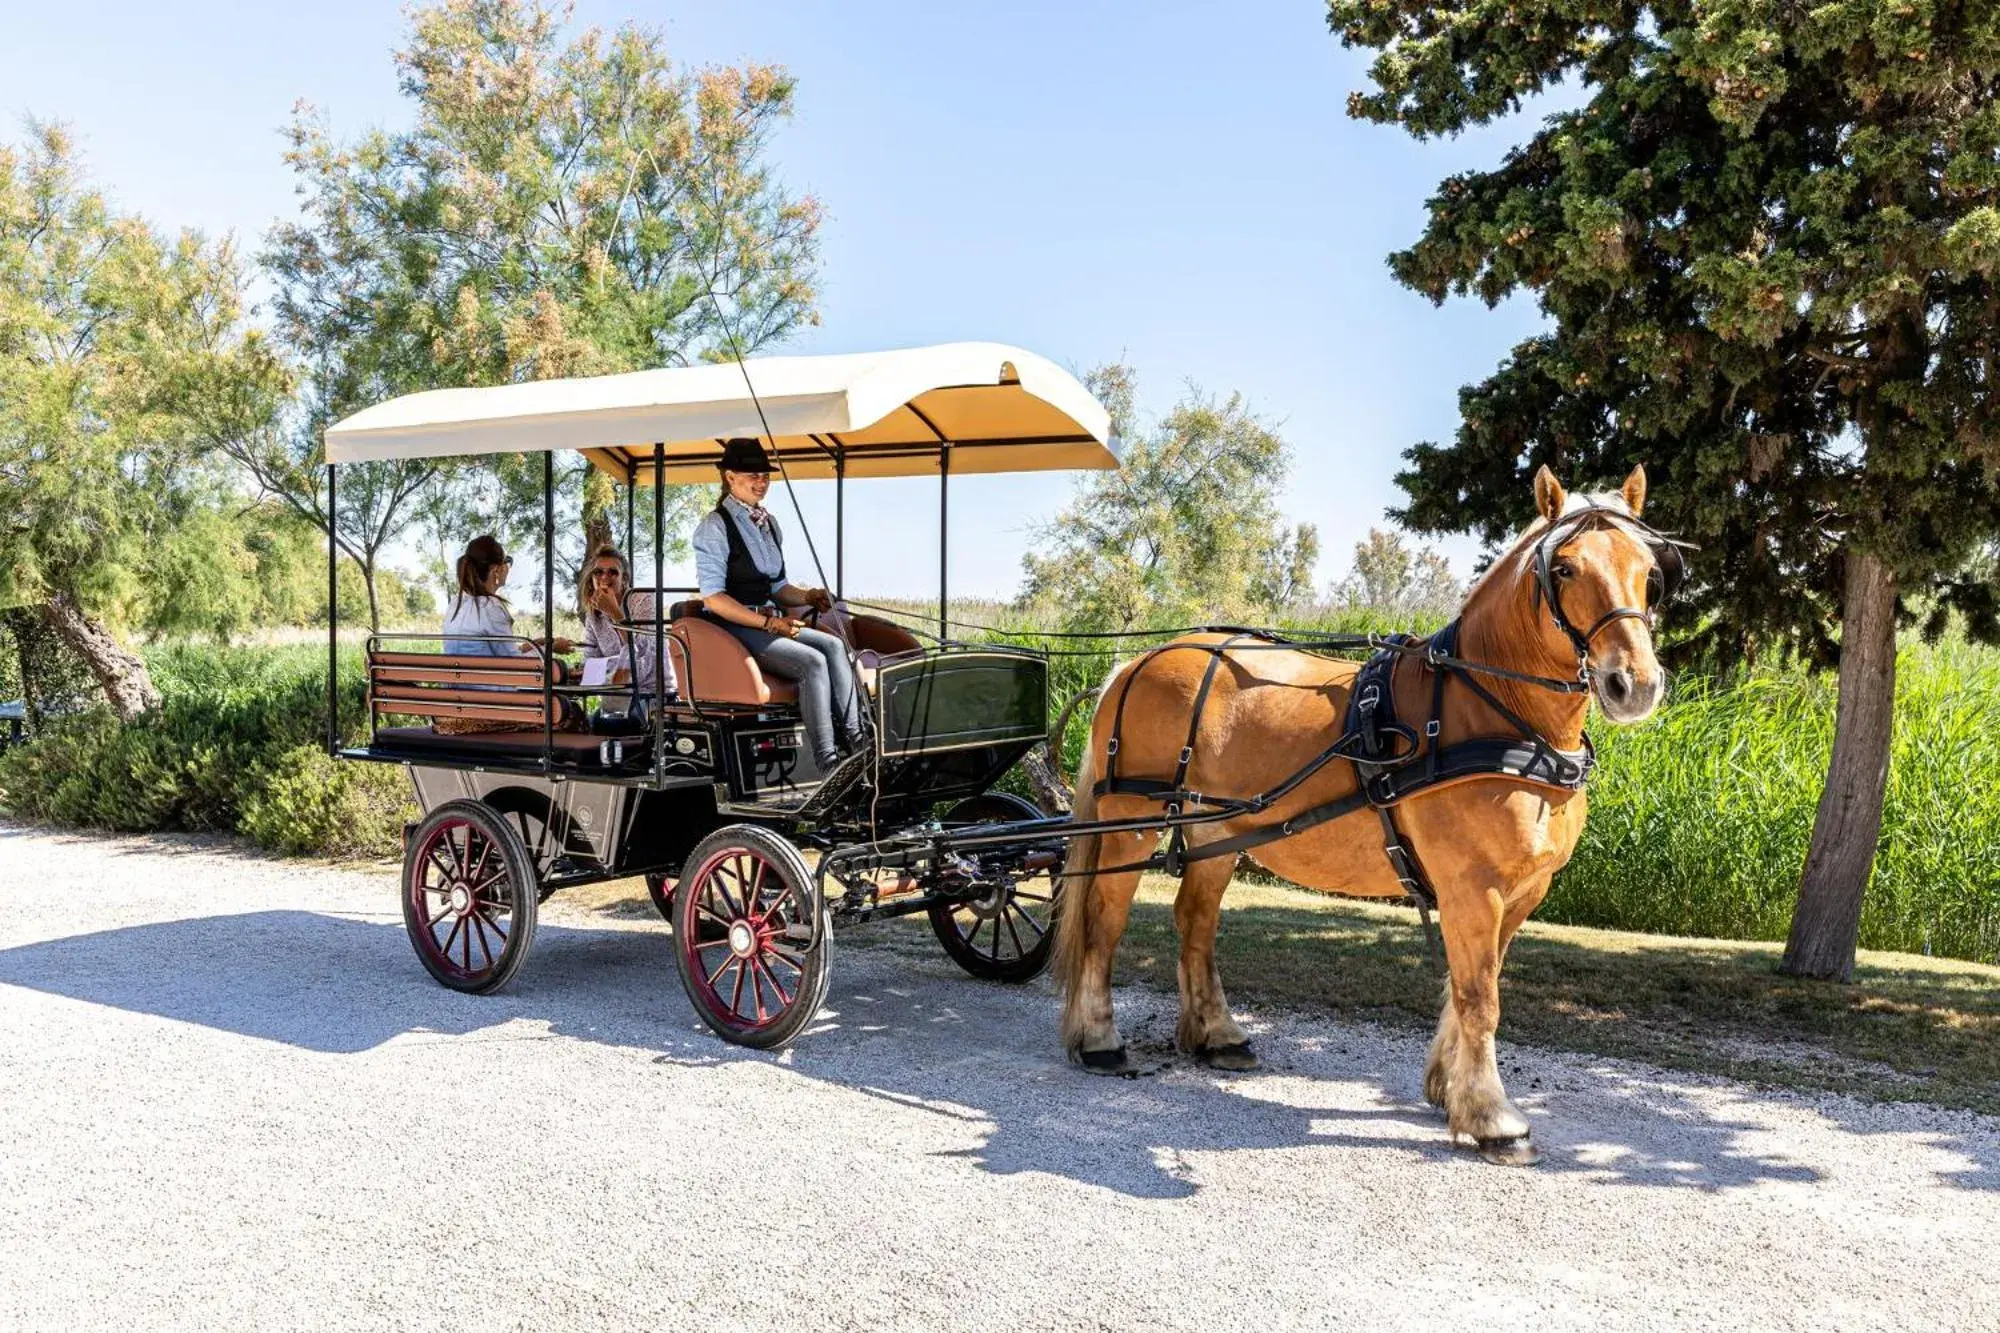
[{"x": 915, "y": 1039}]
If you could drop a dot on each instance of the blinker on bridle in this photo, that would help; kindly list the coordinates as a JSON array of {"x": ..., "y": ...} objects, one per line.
[{"x": 1662, "y": 581}]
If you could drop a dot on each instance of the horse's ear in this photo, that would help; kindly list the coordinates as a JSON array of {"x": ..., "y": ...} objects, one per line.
[
  {"x": 1634, "y": 490},
  {"x": 1549, "y": 494}
]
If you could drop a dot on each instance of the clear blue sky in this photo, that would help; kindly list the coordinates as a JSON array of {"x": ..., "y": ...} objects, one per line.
[{"x": 1175, "y": 184}]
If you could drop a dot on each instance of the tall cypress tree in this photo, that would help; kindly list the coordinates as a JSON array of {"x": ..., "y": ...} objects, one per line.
[{"x": 1765, "y": 240}]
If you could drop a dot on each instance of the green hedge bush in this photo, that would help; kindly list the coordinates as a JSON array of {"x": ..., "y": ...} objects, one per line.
[
  {"x": 309, "y": 802},
  {"x": 237, "y": 745}
]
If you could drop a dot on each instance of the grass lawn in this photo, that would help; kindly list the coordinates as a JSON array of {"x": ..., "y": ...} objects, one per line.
[{"x": 1908, "y": 1029}]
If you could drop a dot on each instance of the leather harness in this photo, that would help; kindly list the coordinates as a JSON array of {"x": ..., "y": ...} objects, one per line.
[{"x": 1393, "y": 761}]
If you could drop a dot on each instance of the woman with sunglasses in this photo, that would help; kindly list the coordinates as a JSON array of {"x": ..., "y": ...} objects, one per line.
[
  {"x": 605, "y": 583},
  {"x": 479, "y": 623}
]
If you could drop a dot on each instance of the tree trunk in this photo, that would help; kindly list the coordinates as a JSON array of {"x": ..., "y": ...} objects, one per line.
[
  {"x": 1827, "y": 921},
  {"x": 374, "y": 607},
  {"x": 1051, "y": 792},
  {"x": 596, "y": 535},
  {"x": 119, "y": 672}
]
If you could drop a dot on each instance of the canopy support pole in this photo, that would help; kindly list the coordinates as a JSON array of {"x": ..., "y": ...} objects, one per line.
[
  {"x": 840, "y": 522},
  {"x": 658, "y": 713},
  {"x": 332, "y": 621},
  {"x": 944, "y": 533},
  {"x": 548, "y": 611},
  {"x": 631, "y": 493}
]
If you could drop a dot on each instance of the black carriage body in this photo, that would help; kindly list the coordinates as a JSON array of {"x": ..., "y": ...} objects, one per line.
[{"x": 949, "y": 722}]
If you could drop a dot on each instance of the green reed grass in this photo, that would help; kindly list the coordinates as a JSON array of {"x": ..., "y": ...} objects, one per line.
[{"x": 1700, "y": 819}]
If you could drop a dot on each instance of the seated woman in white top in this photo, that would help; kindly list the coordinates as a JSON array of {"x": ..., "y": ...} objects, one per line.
[
  {"x": 478, "y": 614},
  {"x": 478, "y": 609},
  {"x": 605, "y": 582}
]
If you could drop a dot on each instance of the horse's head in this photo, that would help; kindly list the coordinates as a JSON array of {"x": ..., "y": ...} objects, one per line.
[{"x": 1597, "y": 573}]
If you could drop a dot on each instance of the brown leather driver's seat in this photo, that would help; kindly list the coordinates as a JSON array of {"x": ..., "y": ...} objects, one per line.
[{"x": 713, "y": 666}]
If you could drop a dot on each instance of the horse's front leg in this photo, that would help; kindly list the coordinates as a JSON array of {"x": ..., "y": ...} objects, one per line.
[
  {"x": 1444, "y": 1045},
  {"x": 1443, "y": 1054},
  {"x": 1476, "y": 1104}
]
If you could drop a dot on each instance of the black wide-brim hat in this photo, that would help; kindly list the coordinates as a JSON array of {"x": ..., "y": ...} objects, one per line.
[{"x": 744, "y": 455}]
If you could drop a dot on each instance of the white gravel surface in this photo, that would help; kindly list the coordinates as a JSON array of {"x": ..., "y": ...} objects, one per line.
[{"x": 231, "y": 1098}]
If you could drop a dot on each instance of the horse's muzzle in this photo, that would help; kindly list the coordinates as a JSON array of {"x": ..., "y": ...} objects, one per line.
[{"x": 1626, "y": 696}]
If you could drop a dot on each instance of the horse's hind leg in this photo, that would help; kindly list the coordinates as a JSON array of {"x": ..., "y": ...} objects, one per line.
[
  {"x": 1206, "y": 1030},
  {"x": 1089, "y": 1030}
]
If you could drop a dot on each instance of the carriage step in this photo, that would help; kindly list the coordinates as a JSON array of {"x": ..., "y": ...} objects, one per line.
[{"x": 846, "y": 775}]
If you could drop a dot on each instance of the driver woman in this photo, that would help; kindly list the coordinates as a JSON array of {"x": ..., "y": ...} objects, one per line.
[{"x": 739, "y": 562}]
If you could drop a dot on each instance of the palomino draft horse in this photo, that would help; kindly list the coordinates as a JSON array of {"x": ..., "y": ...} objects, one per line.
[{"x": 1477, "y": 810}]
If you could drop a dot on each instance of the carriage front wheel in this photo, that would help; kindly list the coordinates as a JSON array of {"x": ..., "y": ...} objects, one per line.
[
  {"x": 469, "y": 897},
  {"x": 754, "y": 961},
  {"x": 1008, "y": 933}
]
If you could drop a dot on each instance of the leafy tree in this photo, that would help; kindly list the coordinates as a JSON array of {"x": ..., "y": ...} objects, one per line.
[
  {"x": 1391, "y": 578},
  {"x": 1187, "y": 529},
  {"x": 556, "y": 208},
  {"x": 1765, "y": 240},
  {"x": 111, "y": 336}
]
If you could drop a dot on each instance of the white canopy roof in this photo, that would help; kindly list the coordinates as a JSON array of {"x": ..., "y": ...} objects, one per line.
[{"x": 885, "y": 414}]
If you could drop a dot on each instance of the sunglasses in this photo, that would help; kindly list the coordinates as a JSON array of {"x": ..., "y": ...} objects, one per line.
[{"x": 606, "y": 572}]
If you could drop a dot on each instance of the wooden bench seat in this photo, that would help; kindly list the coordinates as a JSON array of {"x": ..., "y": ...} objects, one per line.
[{"x": 468, "y": 686}]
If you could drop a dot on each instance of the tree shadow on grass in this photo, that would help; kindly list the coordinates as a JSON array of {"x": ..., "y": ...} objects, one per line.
[{"x": 912, "y": 1034}]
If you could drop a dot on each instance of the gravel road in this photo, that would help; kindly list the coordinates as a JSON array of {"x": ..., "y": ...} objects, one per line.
[{"x": 231, "y": 1098}]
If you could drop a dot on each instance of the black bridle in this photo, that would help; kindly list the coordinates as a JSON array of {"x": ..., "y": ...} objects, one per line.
[{"x": 1662, "y": 581}]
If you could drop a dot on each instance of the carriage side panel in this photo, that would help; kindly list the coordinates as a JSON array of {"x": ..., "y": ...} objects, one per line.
[{"x": 963, "y": 699}]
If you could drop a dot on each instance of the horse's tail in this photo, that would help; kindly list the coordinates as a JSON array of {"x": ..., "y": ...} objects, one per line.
[
  {"x": 1074, "y": 902},
  {"x": 1080, "y": 878}
]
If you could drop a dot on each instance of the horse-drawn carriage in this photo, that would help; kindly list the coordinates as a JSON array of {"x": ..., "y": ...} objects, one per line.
[
  {"x": 710, "y": 792},
  {"x": 1447, "y": 770}
]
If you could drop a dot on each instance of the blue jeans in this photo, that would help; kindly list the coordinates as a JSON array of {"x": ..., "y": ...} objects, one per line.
[{"x": 816, "y": 662}]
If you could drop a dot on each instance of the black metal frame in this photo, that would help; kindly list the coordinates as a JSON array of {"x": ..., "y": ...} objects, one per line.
[{"x": 714, "y": 729}]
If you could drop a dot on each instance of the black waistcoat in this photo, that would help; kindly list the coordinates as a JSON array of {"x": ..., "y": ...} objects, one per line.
[{"x": 742, "y": 580}]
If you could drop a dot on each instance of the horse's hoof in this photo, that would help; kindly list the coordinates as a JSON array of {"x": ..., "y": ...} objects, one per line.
[
  {"x": 1236, "y": 1056},
  {"x": 1510, "y": 1152},
  {"x": 1103, "y": 1062}
]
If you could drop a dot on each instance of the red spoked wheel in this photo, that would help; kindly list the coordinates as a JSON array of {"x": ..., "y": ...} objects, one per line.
[
  {"x": 1007, "y": 934},
  {"x": 469, "y": 897},
  {"x": 752, "y": 960}
]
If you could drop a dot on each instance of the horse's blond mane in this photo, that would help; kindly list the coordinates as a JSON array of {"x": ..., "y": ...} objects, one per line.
[{"x": 1524, "y": 541}]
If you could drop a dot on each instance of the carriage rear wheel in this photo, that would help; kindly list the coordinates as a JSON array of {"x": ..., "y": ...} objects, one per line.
[
  {"x": 469, "y": 897},
  {"x": 1009, "y": 933},
  {"x": 754, "y": 961}
]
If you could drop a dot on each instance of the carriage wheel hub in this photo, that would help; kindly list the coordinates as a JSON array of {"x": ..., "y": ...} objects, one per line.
[
  {"x": 461, "y": 899},
  {"x": 742, "y": 939},
  {"x": 988, "y": 907}
]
